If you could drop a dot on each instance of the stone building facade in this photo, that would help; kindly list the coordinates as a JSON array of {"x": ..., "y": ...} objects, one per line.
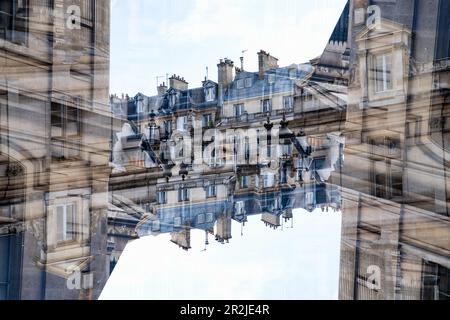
[
  {"x": 55, "y": 127},
  {"x": 395, "y": 232}
]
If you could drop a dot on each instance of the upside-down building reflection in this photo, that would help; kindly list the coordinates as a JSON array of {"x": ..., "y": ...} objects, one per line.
[{"x": 252, "y": 143}]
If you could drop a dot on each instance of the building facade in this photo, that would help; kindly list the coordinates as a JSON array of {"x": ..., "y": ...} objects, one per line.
[
  {"x": 55, "y": 127},
  {"x": 395, "y": 238}
]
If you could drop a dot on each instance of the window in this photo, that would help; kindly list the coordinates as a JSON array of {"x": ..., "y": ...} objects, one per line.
[
  {"x": 271, "y": 78},
  {"x": 156, "y": 225},
  {"x": 268, "y": 180},
  {"x": 309, "y": 198},
  {"x": 162, "y": 197},
  {"x": 164, "y": 152},
  {"x": 211, "y": 191},
  {"x": 182, "y": 123},
  {"x": 299, "y": 175},
  {"x": 239, "y": 207},
  {"x": 387, "y": 180},
  {"x": 65, "y": 223},
  {"x": 140, "y": 106},
  {"x": 10, "y": 266},
  {"x": 385, "y": 145},
  {"x": 209, "y": 217},
  {"x": 247, "y": 149},
  {"x": 443, "y": 32},
  {"x": 65, "y": 131},
  {"x": 65, "y": 121},
  {"x": 14, "y": 21},
  {"x": 382, "y": 71},
  {"x": 243, "y": 182},
  {"x": 266, "y": 105},
  {"x": 152, "y": 132},
  {"x": 168, "y": 128},
  {"x": 183, "y": 194},
  {"x": 201, "y": 218},
  {"x": 284, "y": 175},
  {"x": 207, "y": 121},
  {"x": 286, "y": 149},
  {"x": 435, "y": 282},
  {"x": 86, "y": 10},
  {"x": 239, "y": 110},
  {"x": 210, "y": 94},
  {"x": 288, "y": 102},
  {"x": 292, "y": 73},
  {"x": 240, "y": 84},
  {"x": 173, "y": 99},
  {"x": 248, "y": 82}
]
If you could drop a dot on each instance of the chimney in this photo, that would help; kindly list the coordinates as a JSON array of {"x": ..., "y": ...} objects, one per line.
[
  {"x": 178, "y": 83},
  {"x": 161, "y": 89},
  {"x": 225, "y": 76},
  {"x": 225, "y": 72},
  {"x": 266, "y": 62}
]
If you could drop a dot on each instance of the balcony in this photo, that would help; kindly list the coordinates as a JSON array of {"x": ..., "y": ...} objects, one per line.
[{"x": 257, "y": 117}]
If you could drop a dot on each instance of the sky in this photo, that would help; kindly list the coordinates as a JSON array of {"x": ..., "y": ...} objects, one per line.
[
  {"x": 264, "y": 264},
  {"x": 152, "y": 38}
]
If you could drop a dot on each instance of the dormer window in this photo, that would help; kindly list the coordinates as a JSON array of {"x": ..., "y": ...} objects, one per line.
[
  {"x": 382, "y": 72},
  {"x": 140, "y": 106},
  {"x": 240, "y": 84},
  {"x": 292, "y": 73},
  {"x": 248, "y": 82},
  {"x": 210, "y": 94},
  {"x": 271, "y": 78},
  {"x": 172, "y": 99}
]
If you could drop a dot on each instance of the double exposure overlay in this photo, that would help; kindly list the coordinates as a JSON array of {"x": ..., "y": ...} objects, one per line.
[{"x": 360, "y": 132}]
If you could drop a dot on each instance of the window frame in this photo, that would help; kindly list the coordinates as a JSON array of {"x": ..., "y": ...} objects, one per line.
[
  {"x": 240, "y": 107},
  {"x": 387, "y": 74},
  {"x": 210, "y": 94},
  {"x": 65, "y": 145},
  {"x": 10, "y": 30},
  {"x": 266, "y": 103},
  {"x": 75, "y": 232},
  {"x": 183, "y": 194},
  {"x": 290, "y": 99},
  {"x": 211, "y": 191},
  {"x": 206, "y": 119},
  {"x": 248, "y": 82}
]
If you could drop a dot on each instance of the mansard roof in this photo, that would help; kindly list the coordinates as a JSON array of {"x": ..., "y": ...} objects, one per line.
[
  {"x": 340, "y": 32},
  {"x": 275, "y": 81}
]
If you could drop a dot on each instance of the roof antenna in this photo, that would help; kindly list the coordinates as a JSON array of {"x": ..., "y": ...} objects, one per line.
[
  {"x": 207, "y": 73},
  {"x": 242, "y": 59}
]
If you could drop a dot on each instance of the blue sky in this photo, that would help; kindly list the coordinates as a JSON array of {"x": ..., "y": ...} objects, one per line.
[{"x": 152, "y": 38}]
